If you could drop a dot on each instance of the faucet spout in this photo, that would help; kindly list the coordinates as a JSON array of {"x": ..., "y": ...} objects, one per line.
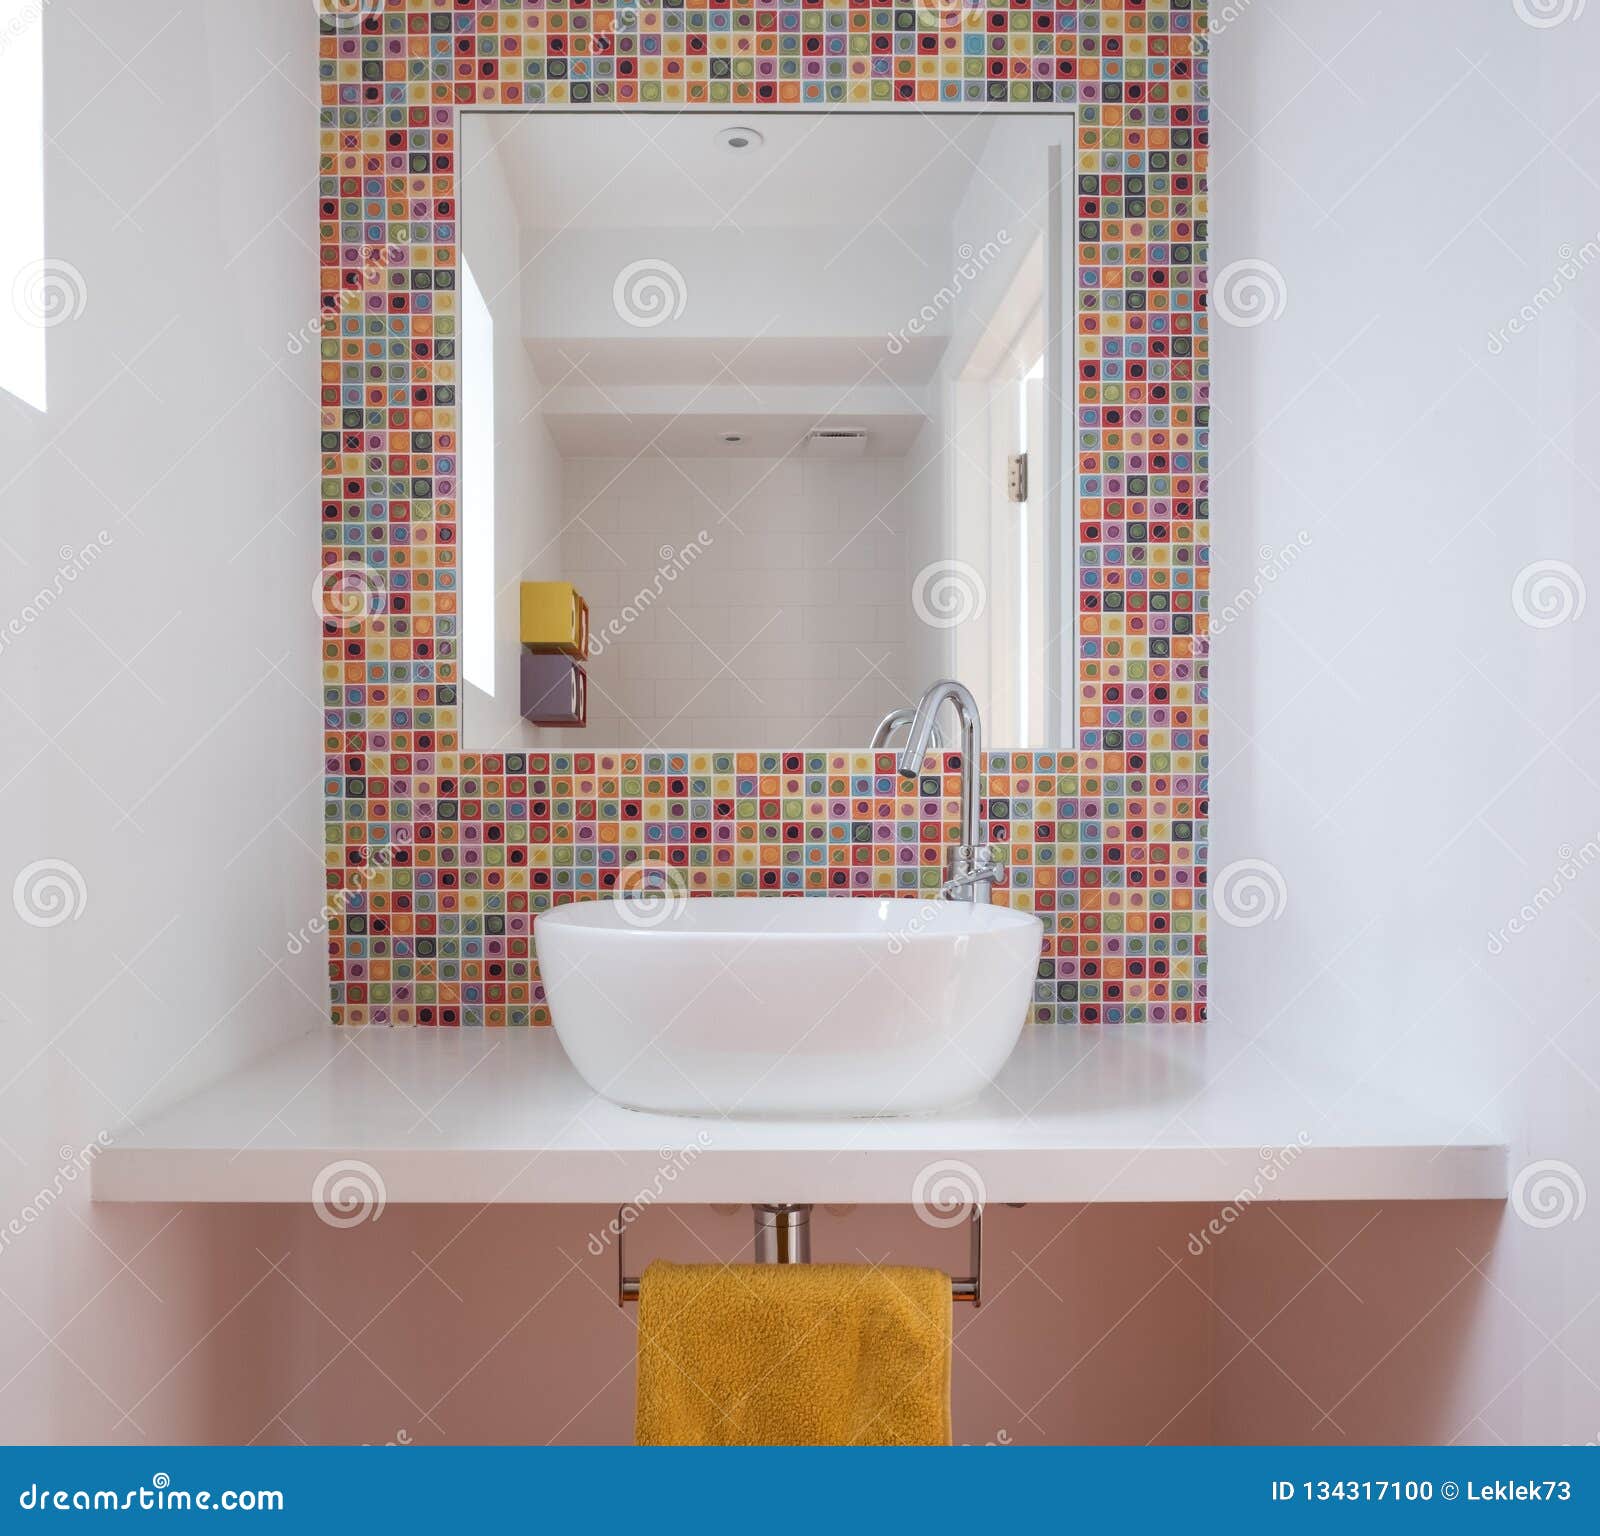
[
  {"x": 973, "y": 865},
  {"x": 924, "y": 732}
]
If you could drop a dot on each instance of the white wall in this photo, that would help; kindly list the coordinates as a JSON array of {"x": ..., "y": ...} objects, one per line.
[
  {"x": 1388, "y": 733},
  {"x": 1004, "y": 212},
  {"x": 160, "y": 721},
  {"x": 784, "y": 621}
]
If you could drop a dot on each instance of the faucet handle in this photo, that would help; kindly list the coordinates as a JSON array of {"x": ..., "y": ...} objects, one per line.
[
  {"x": 973, "y": 865},
  {"x": 987, "y": 859}
]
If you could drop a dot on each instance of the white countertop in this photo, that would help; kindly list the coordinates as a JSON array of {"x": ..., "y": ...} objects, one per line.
[{"x": 1142, "y": 1113}]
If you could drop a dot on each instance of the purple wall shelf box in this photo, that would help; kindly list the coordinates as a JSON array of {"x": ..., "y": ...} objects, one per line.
[{"x": 555, "y": 690}]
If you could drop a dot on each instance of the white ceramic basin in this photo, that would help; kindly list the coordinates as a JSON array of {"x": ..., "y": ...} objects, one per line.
[{"x": 797, "y": 1006}]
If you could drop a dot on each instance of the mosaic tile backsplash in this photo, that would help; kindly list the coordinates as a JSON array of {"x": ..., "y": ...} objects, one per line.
[{"x": 438, "y": 860}]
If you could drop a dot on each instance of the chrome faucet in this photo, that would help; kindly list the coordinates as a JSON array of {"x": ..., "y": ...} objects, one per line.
[
  {"x": 895, "y": 720},
  {"x": 972, "y": 866}
]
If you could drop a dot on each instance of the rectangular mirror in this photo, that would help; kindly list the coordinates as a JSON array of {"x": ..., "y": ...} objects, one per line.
[{"x": 764, "y": 422}]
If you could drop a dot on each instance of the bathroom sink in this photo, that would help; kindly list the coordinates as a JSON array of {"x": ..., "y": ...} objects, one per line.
[{"x": 787, "y": 1005}]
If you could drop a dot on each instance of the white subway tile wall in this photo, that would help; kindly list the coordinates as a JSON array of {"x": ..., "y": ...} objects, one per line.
[{"x": 758, "y": 600}]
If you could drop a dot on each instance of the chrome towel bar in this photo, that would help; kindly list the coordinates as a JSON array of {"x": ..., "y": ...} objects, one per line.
[{"x": 783, "y": 1236}]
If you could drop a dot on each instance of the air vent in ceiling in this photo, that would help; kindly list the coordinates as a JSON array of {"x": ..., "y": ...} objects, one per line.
[{"x": 837, "y": 442}]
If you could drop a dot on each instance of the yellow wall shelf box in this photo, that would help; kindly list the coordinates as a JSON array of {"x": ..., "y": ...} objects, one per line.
[{"x": 554, "y": 618}]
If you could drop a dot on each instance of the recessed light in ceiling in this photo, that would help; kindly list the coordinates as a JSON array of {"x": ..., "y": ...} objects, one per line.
[
  {"x": 740, "y": 141},
  {"x": 733, "y": 437}
]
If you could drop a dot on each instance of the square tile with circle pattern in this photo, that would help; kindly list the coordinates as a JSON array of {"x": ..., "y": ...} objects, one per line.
[{"x": 438, "y": 860}]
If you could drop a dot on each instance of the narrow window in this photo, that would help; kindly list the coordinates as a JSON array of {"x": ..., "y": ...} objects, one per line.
[
  {"x": 30, "y": 301},
  {"x": 477, "y": 485}
]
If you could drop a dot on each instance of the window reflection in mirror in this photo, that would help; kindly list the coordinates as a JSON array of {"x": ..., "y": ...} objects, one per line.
[{"x": 763, "y": 426}]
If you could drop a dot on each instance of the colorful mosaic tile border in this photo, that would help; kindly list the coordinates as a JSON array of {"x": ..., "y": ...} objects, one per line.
[{"x": 439, "y": 859}]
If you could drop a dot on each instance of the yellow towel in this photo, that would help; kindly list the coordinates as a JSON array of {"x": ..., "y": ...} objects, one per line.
[{"x": 793, "y": 1354}]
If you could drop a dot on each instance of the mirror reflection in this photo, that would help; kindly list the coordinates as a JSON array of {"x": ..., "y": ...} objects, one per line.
[{"x": 762, "y": 421}]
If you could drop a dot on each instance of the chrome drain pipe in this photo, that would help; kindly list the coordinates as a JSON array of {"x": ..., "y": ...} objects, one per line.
[{"x": 783, "y": 1234}]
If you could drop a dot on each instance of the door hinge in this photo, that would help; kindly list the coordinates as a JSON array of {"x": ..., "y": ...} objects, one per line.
[{"x": 1017, "y": 477}]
